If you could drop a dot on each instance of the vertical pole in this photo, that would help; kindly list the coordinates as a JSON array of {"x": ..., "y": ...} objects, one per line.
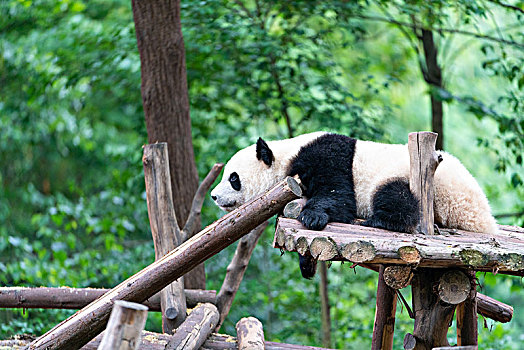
[
  {"x": 125, "y": 325},
  {"x": 423, "y": 162},
  {"x": 164, "y": 229},
  {"x": 430, "y": 328},
  {"x": 384, "y": 326},
  {"x": 324, "y": 305},
  {"x": 467, "y": 332}
]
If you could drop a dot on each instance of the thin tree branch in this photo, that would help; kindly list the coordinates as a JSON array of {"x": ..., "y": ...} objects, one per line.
[
  {"x": 281, "y": 95},
  {"x": 508, "y": 6},
  {"x": 190, "y": 227},
  {"x": 244, "y": 8},
  {"x": 441, "y": 30},
  {"x": 235, "y": 272},
  {"x": 509, "y": 215}
]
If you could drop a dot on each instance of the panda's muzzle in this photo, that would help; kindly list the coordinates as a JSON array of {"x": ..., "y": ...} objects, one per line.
[{"x": 225, "y": 206}]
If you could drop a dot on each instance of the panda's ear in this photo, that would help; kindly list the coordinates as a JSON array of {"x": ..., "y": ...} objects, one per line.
[{"x": 264, "y": 153}]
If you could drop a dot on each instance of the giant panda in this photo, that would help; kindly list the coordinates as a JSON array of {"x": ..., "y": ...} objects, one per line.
[{"x": 347, "y": 179}]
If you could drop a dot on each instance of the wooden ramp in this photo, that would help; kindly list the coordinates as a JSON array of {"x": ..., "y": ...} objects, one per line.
[{"x": 502, "y": 252}]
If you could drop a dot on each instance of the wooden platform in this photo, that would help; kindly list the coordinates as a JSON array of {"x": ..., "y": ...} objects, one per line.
[
  {"x": 502, "y": 252},
  {"x": 158, "y": 341}
]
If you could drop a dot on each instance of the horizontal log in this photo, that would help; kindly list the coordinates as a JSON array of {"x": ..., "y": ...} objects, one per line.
[
  {"x": 158, "y": 341},
  {"x": 494, "y": 309},
  {"x": 77, "y": 298},
  {"x": 502, "y": 252}
]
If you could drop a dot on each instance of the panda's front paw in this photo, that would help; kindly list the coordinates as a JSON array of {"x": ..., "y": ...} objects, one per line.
[{"x": 313, "y": 220}]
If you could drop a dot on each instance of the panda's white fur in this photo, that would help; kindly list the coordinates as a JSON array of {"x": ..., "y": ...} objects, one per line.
[{"x": 459, "y": 201}]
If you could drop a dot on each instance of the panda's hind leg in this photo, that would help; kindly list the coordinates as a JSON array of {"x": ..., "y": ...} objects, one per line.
[{"x": 395, "y": 208}]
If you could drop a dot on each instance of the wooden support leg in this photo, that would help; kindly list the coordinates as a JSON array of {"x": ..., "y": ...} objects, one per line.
[
  {"x": 384, "y": 315},
  {"x": 467, "y": 333}
]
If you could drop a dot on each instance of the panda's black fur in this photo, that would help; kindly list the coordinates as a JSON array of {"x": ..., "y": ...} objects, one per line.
[{"x": 325, "y": 168}]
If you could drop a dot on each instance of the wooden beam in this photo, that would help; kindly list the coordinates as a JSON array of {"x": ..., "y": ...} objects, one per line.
[
  {"x": 467, "y": 332},
  {"x": 385, "y": 310},
  {"x": 158, "y": 341},
  {"x": 77, "y": 298},
  {"x": 195, "y": 330},
  {"x": 78, "y": 329},
  {"x": 502, "y": 252},
  {"x": 494, "y": 309},
  {"x": 164, "y": 229}
]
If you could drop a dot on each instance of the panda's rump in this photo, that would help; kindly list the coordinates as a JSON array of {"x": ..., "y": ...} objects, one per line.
[
  {"x": 374, "y": 165},
  {"x": 459, "y": 201}
]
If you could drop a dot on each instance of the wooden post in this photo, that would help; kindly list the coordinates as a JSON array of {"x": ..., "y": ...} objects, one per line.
[
  {"x": 164, "y": 229},
  {"x": 193, "y": 333},
  {"x": 125, "y": 326},
  {"x": 423, "y": 162},
  {"x": 235, "y": 272},
  {"x": 467, "y": 332},
  {"x": 431, "y": 317},
  {"x": 433, "y": 314},
  {"x": 386, "y": 308},
  {"x": 324, "y": 305},
  {"x": 250, "y": 334},
  {"x": 83, "y": 326}
]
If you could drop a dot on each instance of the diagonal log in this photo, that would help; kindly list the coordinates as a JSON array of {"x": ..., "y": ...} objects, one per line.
[
  {"x": 81, "y": 327},
  {"x": 235, "y": 272},
  {"x": 195, "y": 330}
]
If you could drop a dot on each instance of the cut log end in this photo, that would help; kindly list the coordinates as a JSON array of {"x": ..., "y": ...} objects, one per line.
[
  {"x": 454, "y": 287},
  {"x": 290, "y": 243},
  {"x": 171, "y": 313},
  {"x": 280, "y": 238},
  {"x": 293, "y": 209},
  {"x": 409, "y": 341},
  {"x": 302, "y": 246},
  {"x": 294, "y": 186},
  {"x": 398, "y": 277},
  {"x": 359, "y": 252},
  {"x": 409, "y": 254},
  {"x": 323, "y": 248}
]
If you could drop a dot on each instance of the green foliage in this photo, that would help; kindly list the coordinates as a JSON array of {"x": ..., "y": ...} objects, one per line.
[{"x": 72, "y": 203}]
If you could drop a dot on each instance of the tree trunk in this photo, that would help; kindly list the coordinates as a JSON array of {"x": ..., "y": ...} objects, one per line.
[
  {"x": 433, "y": 76},
  {"x": 166, "y": 103}
]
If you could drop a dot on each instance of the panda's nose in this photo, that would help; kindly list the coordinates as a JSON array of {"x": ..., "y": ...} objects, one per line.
[{"x": 214, "y": 198}]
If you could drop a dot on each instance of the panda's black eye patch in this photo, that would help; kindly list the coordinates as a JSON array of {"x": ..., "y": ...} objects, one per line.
[{"x": 234, "y": 180}]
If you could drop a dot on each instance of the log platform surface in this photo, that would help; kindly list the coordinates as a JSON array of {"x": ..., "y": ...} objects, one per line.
[
  {"x": 502, "y": 252},
  {"x": 158, "y": 341}
]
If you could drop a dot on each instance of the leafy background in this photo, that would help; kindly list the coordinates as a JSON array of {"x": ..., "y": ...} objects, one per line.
[{"x": 72, "y": 202}]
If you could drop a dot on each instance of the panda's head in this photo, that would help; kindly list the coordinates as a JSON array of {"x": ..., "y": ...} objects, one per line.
[{"x": 250, "y": 172}]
